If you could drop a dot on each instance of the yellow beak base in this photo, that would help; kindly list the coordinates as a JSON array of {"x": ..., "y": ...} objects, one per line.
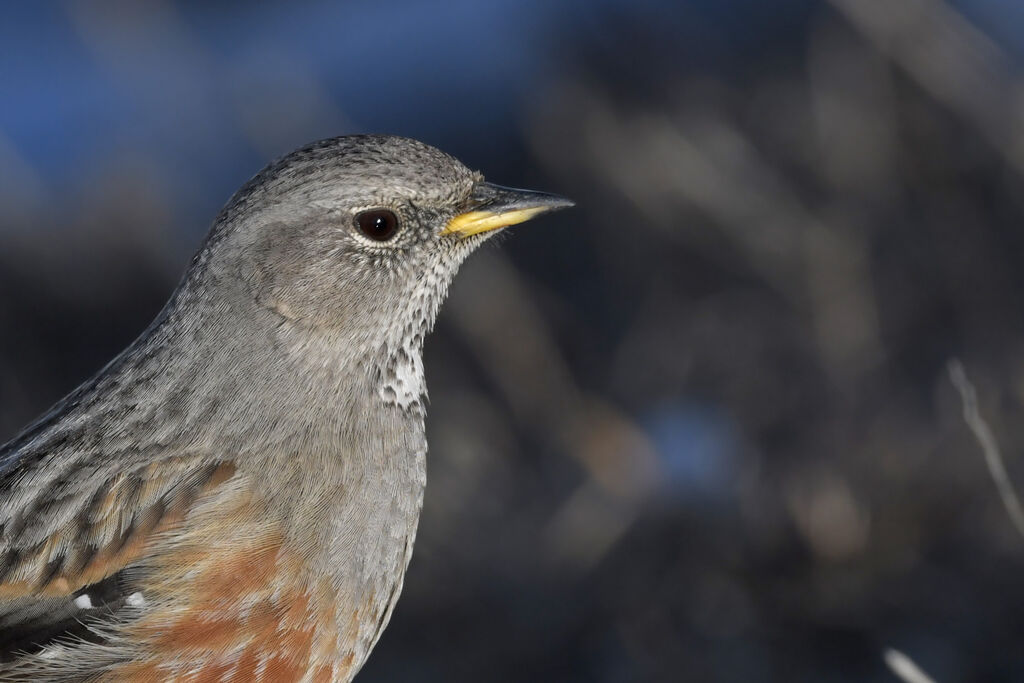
[
  {"x": 491, "y": 207},
  {"x": 476, "y": 222}
]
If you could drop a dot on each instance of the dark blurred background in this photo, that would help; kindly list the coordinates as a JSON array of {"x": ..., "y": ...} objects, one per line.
[{"x": 700, "y": 428}]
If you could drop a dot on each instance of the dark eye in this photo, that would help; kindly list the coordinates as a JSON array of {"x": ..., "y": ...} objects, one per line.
[{"x": 377, "y": 224}]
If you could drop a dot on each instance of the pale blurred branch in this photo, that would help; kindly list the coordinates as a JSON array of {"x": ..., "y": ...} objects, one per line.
[
  {"x": 987, "y": 441},
  {"x": 905, "y": 668},
  {"x": 515, "y": 346},
  {"x": 956, "y": 63}
]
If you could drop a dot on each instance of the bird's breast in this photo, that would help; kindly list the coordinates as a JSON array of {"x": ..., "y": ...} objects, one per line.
[
  {"x": 373, "y": 527},
  {"x": 255, "y": 587}
]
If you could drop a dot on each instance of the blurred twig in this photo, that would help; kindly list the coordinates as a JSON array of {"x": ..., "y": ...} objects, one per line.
[
  {"x": 905, "y": 668},
  {"x": 516, "y": 347},
  {"x": 987, "y": 441},
  {"x": 950, "y": 58}
]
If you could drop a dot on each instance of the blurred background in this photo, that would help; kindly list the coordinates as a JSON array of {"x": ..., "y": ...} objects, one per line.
[{"x": 700, "y": 428}]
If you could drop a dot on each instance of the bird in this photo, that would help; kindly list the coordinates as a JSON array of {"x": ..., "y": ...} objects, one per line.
[{"x": 235, "y": 496}]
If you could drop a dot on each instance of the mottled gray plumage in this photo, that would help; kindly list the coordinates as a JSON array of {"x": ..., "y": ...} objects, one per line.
[{"x": 273, "y": 410}]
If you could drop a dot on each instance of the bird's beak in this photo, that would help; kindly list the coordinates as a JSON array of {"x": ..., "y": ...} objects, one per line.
[{"x": 492, "y": 206}]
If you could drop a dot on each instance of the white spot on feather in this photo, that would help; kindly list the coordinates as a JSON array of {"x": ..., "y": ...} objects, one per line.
[{"x": 408, "y": 383}]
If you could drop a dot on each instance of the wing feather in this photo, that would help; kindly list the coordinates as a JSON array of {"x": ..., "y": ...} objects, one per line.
[{"x": 64, "y": 575}]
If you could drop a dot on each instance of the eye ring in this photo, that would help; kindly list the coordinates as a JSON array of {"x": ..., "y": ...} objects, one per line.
[{"x": 380, "y": 225}]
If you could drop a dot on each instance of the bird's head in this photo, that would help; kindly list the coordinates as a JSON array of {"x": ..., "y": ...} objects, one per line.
[{"x": 362, "y": 234}]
